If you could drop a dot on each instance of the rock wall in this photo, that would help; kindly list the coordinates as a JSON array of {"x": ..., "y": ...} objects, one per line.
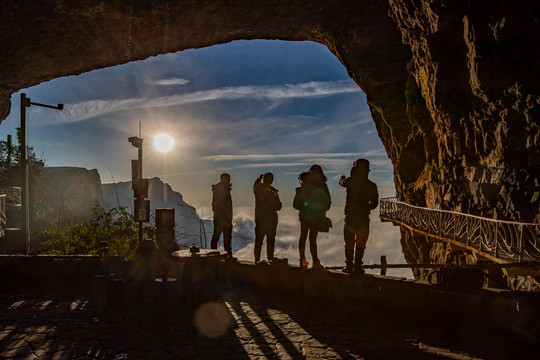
[
  {"x": 452, "y": 85},
  {"x": 474, "y": 67}
]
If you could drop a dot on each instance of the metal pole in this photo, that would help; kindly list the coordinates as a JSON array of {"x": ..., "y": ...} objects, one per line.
[
  {"x": 139, "y": 148},
  {"x": 25, "y": 102},
  {"x": 24, "y": 170}
]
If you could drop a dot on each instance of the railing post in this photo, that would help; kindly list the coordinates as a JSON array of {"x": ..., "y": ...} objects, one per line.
[{"x": 383, "y": 265}]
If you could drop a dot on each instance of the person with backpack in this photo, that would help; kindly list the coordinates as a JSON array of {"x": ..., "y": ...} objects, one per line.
[
  {"x": 362, "y": 197},
  {"x": 267, "y": 204},
  {"x": 313, "y": 200}
]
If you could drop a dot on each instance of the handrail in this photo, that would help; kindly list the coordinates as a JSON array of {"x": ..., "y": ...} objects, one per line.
[{"x": 499, "y": 240}]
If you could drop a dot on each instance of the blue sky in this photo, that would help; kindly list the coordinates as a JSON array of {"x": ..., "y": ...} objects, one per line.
[{"x": 245, "y": 107}]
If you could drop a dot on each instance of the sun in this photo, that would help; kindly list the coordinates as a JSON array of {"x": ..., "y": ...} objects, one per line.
[{"x": 163, "y": 142}]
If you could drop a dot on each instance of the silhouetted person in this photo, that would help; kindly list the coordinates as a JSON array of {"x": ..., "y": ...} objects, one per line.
[
  {"x": 313, "y": 200},
  {"x": 222, "y": 209},
  {"x": 267, "y": 204},
  {"x": 362, "y": 197}
]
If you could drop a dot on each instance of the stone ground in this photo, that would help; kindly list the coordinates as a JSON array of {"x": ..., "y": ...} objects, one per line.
[{"x": 68, "y": 323}]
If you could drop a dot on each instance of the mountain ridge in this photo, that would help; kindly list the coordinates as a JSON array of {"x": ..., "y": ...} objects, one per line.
[{"x": 73, "y": 191}]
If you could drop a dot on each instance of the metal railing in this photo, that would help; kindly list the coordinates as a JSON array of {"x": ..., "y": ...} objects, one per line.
[
  {"x": 13, "y": 195},
  {"x": 499, "y": 240}
]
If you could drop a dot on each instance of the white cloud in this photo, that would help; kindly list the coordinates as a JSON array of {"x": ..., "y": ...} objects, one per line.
[
  {"x": 262, "y": 157},
  {"x": 171, "y": 81},
  {"x": 332, "y": 162},
  {"x": 93, "y": 108},
  {"x": 266, "y": 165},
  {"x": 384, "y": 239}
]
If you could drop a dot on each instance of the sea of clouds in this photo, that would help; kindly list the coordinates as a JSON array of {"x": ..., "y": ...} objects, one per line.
[{"x": 384, "y": 239}]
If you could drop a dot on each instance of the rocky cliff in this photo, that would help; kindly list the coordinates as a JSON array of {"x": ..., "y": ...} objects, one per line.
[
  {"x": 161, "y": 195},
  {"x": 71, "y": 192},
  {"x": 452, "y": 85}
]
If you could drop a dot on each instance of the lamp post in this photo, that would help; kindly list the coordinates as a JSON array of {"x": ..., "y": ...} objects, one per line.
[
  {"x": 25, "y": 102},
  {"x": 140, "y": 187}
]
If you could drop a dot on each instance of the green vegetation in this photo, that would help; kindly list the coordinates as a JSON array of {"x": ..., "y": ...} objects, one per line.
[
  {"x": 116, "y": 226},
  {"x": 61, "y": 231}
]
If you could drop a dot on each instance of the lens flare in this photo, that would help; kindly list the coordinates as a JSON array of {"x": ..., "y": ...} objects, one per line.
[
  {"x": 212, "y": 319},
  {"x": 163, "y": 142}
]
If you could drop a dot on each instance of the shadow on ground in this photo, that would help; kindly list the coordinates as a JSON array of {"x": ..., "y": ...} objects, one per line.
[{"x": 75, "y": 321}]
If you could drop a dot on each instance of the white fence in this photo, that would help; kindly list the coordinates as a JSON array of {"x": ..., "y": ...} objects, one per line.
[{"x": 504, "y": 240}]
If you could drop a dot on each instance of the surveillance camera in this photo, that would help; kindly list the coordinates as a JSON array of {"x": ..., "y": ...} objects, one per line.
[{"x": 135, "y": 141}]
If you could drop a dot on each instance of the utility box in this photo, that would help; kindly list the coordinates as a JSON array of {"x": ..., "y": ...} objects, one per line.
[{"x": 142, "y": 210}]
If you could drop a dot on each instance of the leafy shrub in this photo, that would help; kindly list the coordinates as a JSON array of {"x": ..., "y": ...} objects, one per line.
[{"x": 116, "y": 226}]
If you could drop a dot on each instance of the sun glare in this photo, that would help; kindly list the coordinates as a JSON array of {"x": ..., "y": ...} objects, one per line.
[{"x": 163, "y": 142}]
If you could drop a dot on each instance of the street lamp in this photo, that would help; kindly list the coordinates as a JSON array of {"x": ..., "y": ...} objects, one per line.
[
  {"x": 140, "y": 187},
  {"x": 25, "y": 102}
]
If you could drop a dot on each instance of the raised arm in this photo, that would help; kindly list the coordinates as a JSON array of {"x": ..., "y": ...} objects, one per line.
[{"x": 257, "y": 182}]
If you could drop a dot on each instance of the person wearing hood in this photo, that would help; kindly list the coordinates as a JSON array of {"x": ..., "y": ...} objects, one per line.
[
  {"x": 222, "y": 209},
  {"x": 313, "y": 201},
  {"x": 362, "y": 197},
  {"x": 267, "y": 204}
]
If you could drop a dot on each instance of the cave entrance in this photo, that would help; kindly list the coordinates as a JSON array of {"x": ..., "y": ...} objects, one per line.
[{"x": 245, "y": 107}]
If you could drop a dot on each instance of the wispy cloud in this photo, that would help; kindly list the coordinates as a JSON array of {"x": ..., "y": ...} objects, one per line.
[
  {"x": 333, "y": 162},
  {"x": 168, "y": 82},
  {"x": 262, "y": 157},
  {"x": 94, "y": 108},
  {"x": 266, "y": 165}
]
